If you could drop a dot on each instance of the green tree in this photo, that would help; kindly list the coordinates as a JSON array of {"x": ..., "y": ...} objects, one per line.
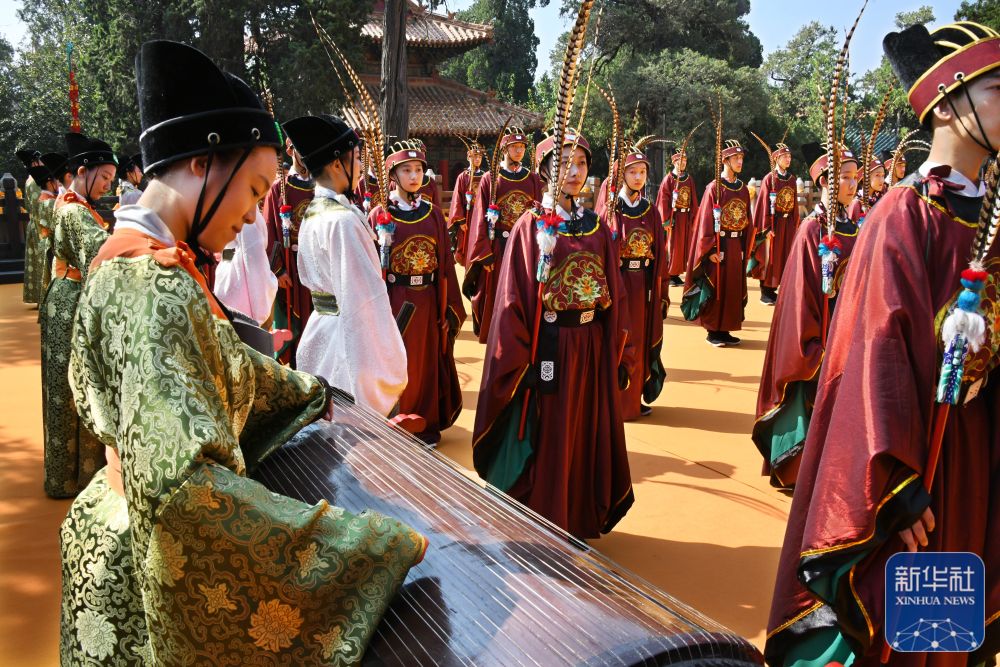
[
  {"x": 798, "y": 74},
  {"x": 986, "y": 12},
  {"x": 923, "y": 16},
  {"x": 507, "y": 64}
]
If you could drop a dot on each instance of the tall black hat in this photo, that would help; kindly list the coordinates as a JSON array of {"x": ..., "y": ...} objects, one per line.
[
  {"x": 56, "y": 164},
  {"x": 86, "y": 152},
  {"x": 321, "y": 139},
  {"x": 27, "y": 155},
  {"x": 189, "y": 107},
  {"x": 40, "y": 174},
  {"x": 930, "y": 65}
]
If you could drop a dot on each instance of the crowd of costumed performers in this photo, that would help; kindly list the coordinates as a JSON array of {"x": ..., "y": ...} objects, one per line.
[{"x": 343, "y": 272}]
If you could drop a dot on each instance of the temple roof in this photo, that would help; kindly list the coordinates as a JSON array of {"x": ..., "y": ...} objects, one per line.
[
  {"x": 429, "y": 30},
  {"x": 440, "y": 107}
]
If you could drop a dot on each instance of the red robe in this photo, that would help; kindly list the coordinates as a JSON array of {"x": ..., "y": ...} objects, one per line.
[
  {"x": 859, "y": 208},
  {"x": 860, "y": 479},
  {"x": 723, "y": 311},
  {"x": 795, "y": 350},
  {"x": 678, "y": 218},
  {"x": 298, "y": 194},
  {"x": 771, "y": 255},
  {"x": 515, "y": 193},
  {"x": 572, "y": 466},
  {"x": 466, "y": 186},
  {"x": 642, "y": 249},
  {"x": 421, "y": 247}
]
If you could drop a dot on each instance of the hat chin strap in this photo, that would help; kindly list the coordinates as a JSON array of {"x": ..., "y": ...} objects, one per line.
[
  {"x": 985, "y": 144},
  {"x": 200, "y": 224}
]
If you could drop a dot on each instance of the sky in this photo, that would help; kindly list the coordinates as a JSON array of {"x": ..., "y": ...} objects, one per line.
[{"x": 773, "y": 21}]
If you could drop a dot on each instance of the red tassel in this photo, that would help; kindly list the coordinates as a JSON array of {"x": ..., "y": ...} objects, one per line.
[
  {"x": 285, "y": 208},
  {"x": 384, "y": 218},
  {"x": 973, "y": 275}
]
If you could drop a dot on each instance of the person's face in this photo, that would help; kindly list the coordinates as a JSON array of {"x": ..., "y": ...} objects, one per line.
[
  {"x": 96, "y": 180},
  {"x": 409, "y": 175},
  {"x": 848, "y": 183},
  {"x": 37, "y": 162},
  {"x": 984, "y": 91},
  {"x": 635, "y": 176},
  {"x": 574, "y": 166},
  {"x": 475, "y": 159},
  {"x": 877, "y": 179},
  {"x": 239, "y": 205},
  {"x": 899, "y": 169},
  {"x": 735, "y": 163},
  {"x": 67, "y": 180},
  {"x": 515, "y": 152},
  {"x": 681, "y": 164},
  {"x": 784, "y": 161}
]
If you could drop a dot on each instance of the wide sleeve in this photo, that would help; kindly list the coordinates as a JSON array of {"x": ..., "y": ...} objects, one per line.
[
  {"x": 454, "y": 308},
  {"x": 220, "y": 560},
  {"x": 458, "y": 213},
  {"x": 371, "y": 340},
  {"x": 78, "y": 236},
  {"x": 272, "y": 219},
  {"x": 664, "y": 201}
]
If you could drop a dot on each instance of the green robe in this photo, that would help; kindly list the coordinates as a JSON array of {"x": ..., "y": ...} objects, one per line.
[
  {"x": 34, "y": 250},
  {"x": 197, "y": 564},
  {"x": 72, "y": 453},
  {"x": 45, "y": 212}
]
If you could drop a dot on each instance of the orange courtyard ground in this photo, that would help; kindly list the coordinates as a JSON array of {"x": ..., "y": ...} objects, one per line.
[{"x": 706, "y": 526}]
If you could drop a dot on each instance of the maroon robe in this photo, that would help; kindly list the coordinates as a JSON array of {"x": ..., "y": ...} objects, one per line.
[
  {"x": 795, "y": 348},
  {"x": 858, "y": 210},
  {"x": 466, "y": 186},
  {"x": 572, "y": 466},
  {"x": 430, "y": 190},
  {"x": 421, "y": 247},
  {"x": 298, "y": 194},
  {"x": 515, "y": 194},
  {"x": 642, "y": 249},
  {"x": 861, "y": 476},
  {"x": 678, "y": 218},
  {"x": 724, "y": 311},
  {"x": 771, "y": 255}
]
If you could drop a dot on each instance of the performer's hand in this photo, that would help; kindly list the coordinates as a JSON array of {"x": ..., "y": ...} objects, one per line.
[
  {"x": 916, "y": 535},
  {"x": 328, "y": 415},
  {"x": 284, "y": 282},
  {"x": 770, "y": 233},
  {"x": 716, "y": 257}
]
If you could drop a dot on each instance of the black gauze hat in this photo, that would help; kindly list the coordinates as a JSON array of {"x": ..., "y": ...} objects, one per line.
[
  {"x": 813, "y": 151},
  {"x": 321, "y": 139},
  {"x": 40, "y": 175},
  {"x": 87, "y": 152},
  {"x": 128, "y": 164},
  {"x": 27, "y": 155},
  {"x": 189, "y": 107},
  {"x": 56, "y": 164}
]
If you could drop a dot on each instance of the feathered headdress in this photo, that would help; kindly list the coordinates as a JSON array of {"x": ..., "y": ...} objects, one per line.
[
  {"x": 492, "y": 211},
  {"x": 868, "y": 149},
  {"x": 617, "y": 163},
  {"x": 717, "y": 120},
  {"x": 767, "y": 148}
]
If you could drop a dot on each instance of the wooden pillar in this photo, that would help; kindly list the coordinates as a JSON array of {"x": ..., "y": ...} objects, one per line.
[{"x": 393, "y": 91}]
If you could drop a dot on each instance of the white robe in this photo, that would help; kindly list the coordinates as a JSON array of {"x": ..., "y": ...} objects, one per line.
[
  {"x": 359, "y": 350},
  {"x": 246, "y": 283},
  {"x": 128, "y": 194}
]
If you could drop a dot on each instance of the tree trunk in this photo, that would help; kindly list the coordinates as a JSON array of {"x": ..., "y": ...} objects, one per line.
[{"x": 393, "y": 92}]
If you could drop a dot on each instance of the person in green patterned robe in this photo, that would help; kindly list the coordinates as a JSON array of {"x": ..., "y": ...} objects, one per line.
[
  {"x": 57, "y": 174},
  {"x": 33, "y": 255},
  {"x": 172, "y": 556},
  {"x": 72, "y": 454}
]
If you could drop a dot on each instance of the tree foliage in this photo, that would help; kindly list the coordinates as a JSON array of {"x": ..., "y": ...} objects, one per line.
[
  {"x": 506, "y": 65},
  {"x": 262, "y": 41},
  {"x": 986, "y": 12}
]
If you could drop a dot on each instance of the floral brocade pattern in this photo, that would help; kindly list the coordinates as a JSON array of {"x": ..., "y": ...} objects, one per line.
[
  {"x": 683, "y": 197},
  {"x": 578, "y": 283},
  {"x": 414, "y": 256},
  {"x": 512, "y": 205},
  {"x": 784, "y": 202},
  {"x": 734, "y": 216},
  {"x": 197, "y": 564},
  {"x": 638, "y": 244}
]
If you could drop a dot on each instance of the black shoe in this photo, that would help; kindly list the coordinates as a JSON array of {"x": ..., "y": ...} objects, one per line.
[
  {"x": 675, "y": 281},
  {"x": 715, "y": 338},
  {"x": 768, "y": 299},
  {"x": 645, "y": 410},
  {"x": 729, "y": 339}
]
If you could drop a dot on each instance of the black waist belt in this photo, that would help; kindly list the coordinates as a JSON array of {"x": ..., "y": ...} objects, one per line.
[
  {"x": 228, "y": 254},
  {"x": 569, "y": 318},
  {"x": 411, "y": 280},
  {"x": 682, "y": 210},
  {"x": 325, "y": 304},
  {"x": 636, "y": 263},
  {"x": 732, "y": 235}
]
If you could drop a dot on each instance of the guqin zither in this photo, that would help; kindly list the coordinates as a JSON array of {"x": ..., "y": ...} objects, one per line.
[{"x": 500, "y": 585}]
